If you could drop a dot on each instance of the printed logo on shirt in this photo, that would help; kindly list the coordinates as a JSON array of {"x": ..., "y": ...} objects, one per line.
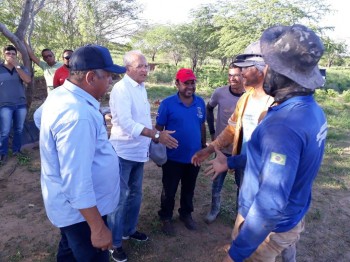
[
  {"x": 322, "y": 134},
  {"x": 279, "y": 159},
  {"x": 199, "y": 112}
]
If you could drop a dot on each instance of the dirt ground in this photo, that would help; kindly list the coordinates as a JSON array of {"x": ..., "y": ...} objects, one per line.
[{"x": 27, "y": 235}]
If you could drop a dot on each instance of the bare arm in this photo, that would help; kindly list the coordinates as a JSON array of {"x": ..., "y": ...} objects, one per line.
[
  {"x": 31, "y": 54},
  {"x": 204, "y": 135},
  {"x": 210, "y": 121},
  {"x": 101, "y": 236}
]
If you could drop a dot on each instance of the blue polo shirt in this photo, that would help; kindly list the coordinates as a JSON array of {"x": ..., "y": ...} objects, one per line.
[
  {"x": 283, "y": 158},
  {"x": 186, "y": 121}
]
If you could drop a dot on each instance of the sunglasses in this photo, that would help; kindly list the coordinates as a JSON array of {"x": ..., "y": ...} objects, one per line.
[
  {"x": 67, "y": 57},
  {"x": 46, "y": 56}
]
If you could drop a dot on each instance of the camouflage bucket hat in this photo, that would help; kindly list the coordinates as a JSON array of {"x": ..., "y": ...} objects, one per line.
[{"x": 293, "y": 51}]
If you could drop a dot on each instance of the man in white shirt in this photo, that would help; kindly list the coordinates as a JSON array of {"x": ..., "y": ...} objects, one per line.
[{"x": 131, "y": 135}]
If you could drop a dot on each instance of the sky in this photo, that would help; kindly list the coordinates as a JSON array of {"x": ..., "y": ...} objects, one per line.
[{"x": 176, "y": 11}]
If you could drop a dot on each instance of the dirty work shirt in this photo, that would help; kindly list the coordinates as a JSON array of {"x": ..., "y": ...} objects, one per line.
[{"x": 283, "y": 158}]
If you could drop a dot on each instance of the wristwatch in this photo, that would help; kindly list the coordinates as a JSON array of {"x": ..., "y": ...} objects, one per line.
[
  {"x": 157, "y": 135},
  {"x": 18, "y": 67}
]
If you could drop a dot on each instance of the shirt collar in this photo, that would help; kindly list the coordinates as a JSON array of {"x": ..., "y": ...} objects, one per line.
[
  {"x": 82, "y": 93},
  {"x": 133, "y": 82},
  {"x": 194, "y": 101},
  {"x": 293, "y": 100}
]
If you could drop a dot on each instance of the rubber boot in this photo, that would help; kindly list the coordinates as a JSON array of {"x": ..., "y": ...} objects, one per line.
[{"x": 214, "y": 211}]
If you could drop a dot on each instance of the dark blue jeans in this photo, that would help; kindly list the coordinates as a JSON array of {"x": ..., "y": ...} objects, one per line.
[
  {"x": 173, "y": 173},
  {"x": 76, "y": 246},
  {"x": 11, "y": 116}
]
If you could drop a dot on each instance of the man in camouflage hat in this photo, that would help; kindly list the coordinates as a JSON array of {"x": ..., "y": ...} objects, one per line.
[{"x": 285, "y": 151}]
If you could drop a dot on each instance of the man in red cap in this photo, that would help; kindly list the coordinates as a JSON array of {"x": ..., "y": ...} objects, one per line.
[{"x": 183, "y": 112}]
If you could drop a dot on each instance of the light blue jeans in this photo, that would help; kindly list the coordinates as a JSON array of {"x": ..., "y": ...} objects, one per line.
[
  {"x": 124, "y": 220},
  {"x": 11, "y": 116}
]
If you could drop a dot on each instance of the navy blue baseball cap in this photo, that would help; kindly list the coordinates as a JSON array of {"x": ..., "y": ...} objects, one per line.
[{"x": 92, "y": 57}]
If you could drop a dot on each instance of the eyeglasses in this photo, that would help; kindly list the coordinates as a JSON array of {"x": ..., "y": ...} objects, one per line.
[
  {"x": 46, "y": 56},
  {"x": 139, "y": 67},
  {"x": 234, "y": 75},
  {"x": 10, "y": 53},
  {"x": 67, "y": 57}
]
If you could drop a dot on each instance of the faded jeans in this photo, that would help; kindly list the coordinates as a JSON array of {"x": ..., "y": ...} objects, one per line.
[
  {"x": 11, "y": 116},
  {"x": 124, "y": 220}
]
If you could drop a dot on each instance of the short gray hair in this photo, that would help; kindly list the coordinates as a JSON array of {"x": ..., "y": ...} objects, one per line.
[{"x": 128, "y": 58}]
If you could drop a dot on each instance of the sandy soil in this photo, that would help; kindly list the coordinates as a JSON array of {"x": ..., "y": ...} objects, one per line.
[{"x": 27, "y": 235}]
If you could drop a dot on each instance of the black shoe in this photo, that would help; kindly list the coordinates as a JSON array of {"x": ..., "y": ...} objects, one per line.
[
  {"x": 168, "y": 228},
  {"x": 118, "y": 254},
  {"x": 137, "y": 236},
  {"x": 189, "y": 222}
]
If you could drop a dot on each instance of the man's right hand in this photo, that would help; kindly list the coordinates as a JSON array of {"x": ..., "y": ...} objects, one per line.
[
  {"x": 202, "y": 155},
  {"x": 166, "y": 139},
  {"x": 102, "y": 238}
]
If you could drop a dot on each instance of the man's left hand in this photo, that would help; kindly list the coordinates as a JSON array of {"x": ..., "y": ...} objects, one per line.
[
  {"x": 102, "y": 238},
  {"x": 217, "y": 165}
]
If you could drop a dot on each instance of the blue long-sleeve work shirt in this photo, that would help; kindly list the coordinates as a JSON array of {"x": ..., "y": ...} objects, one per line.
[{"x": 283, "y": 158}]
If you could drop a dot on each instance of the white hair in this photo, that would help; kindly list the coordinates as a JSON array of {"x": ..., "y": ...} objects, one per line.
[{"x": 129, "y": 57}]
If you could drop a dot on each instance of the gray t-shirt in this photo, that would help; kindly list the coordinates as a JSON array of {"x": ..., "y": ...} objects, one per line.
[
  {"x": 226, "y": 102},
  {"x": 12, "y": 91}
]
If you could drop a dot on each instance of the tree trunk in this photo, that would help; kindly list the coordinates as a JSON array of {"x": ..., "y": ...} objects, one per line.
[{"x": 18, "y": 38}]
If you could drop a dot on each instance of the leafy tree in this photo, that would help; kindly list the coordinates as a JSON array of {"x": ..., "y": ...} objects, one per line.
[
  {"x": 152, "y": 40},
  {"x": 333, "y": 51},
  {"x": 198, "y": 37},
  {"x": 243, "y": 22}
]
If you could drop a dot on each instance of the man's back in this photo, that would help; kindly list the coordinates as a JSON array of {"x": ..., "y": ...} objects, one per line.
[
  {"x": 72, "y": 132},
  {"x": 289, "y": 147}
]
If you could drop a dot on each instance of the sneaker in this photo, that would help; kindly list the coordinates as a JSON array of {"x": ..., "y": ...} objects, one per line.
[
  {"x": 189, "y": 222},
  {"x": 118, "y": 254},
  {"x": 168, "y": 228},
  {"x": 137, "y": 236}
]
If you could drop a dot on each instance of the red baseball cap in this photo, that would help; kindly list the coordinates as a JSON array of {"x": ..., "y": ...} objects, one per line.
[{"x": 185, "y": 74}]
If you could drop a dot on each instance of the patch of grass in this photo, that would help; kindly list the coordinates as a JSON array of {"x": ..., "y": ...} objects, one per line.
[
  {"x": 314, "y": 215},
  {"x": 16, "y": 257},
  {"x": 335, "y": 170},
  {"x": 23, "y": 159}
]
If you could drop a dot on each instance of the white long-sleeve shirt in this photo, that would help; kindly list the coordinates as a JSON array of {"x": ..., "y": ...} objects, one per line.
[{"x": 131, "y": 113}]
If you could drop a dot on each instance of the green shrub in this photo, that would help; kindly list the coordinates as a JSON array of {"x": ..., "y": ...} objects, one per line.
[
  {"x": 338, "y": 78},
  {"x": 346, "y": 96}
]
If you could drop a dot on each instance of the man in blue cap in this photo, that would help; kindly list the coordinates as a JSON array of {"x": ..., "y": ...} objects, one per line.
[{"x": 79, "y": 168}]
